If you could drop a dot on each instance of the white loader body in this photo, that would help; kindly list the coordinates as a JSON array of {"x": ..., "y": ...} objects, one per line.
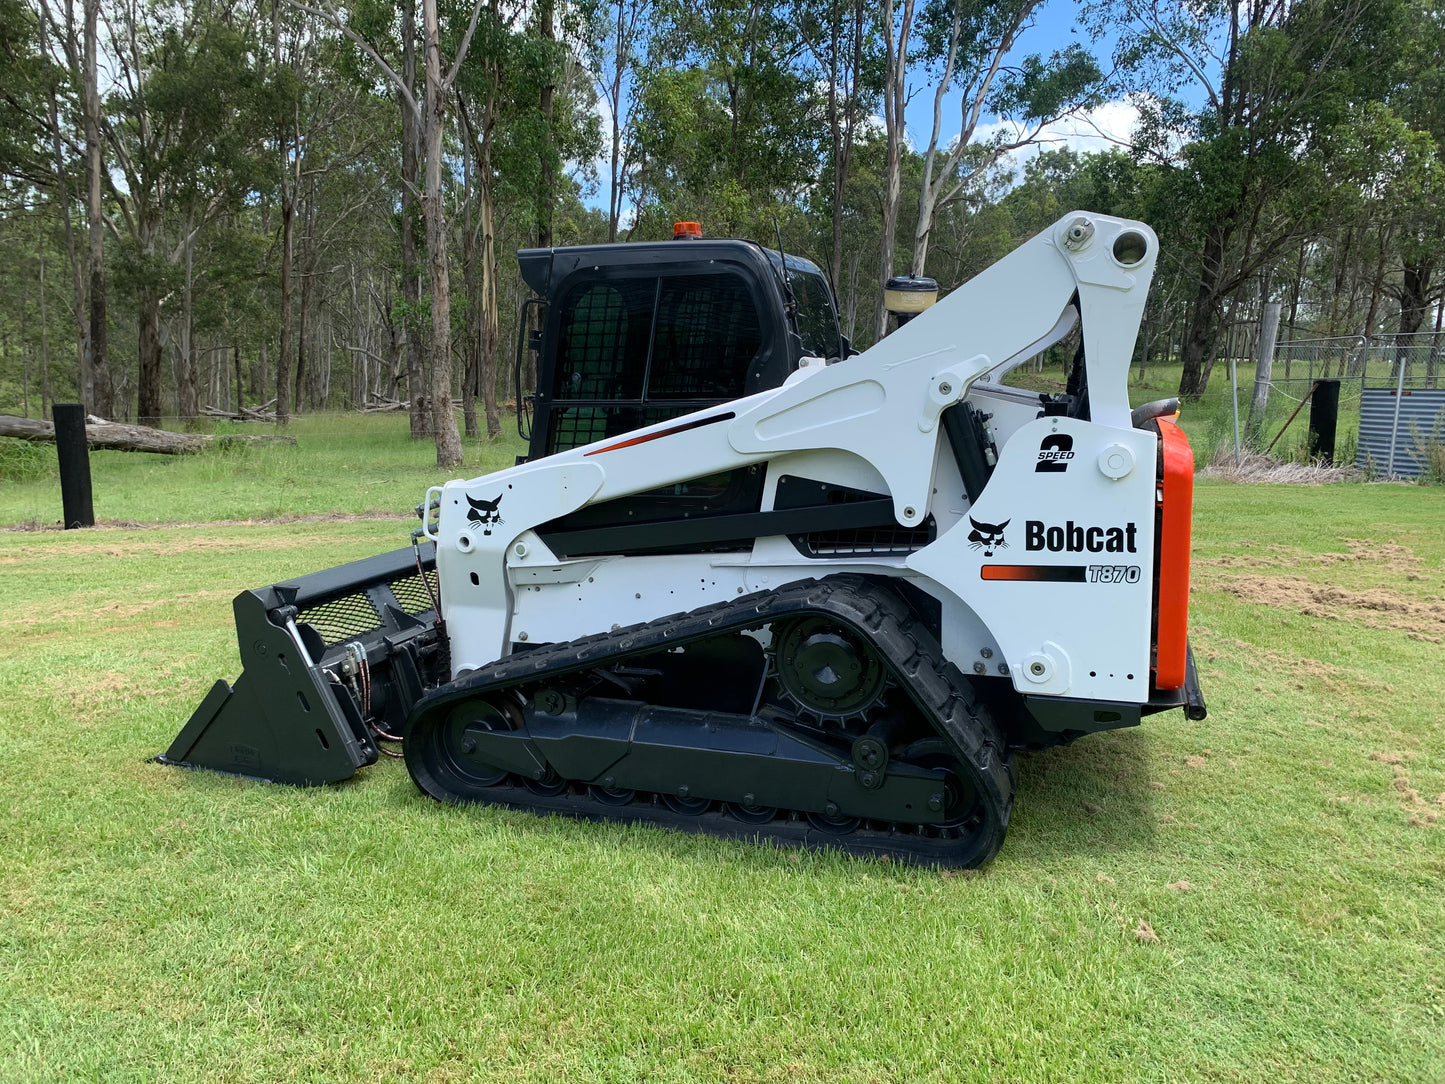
[{"x": 1054, "y": 590}]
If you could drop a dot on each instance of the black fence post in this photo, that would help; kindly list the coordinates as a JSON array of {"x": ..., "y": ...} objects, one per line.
[
  {"x": 74, "y": 453},
  {"x": 1324, "y": 419}
]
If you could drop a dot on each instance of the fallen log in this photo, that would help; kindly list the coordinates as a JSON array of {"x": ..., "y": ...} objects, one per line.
[
  {"x": 133, "y": 438},
  {"x": 245, "y": 414},
  {"x": 381, "y": 405}
]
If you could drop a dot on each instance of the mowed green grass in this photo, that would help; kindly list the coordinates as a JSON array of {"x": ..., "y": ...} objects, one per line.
[
  {"x": 1254, "y": 897},
  {"x": 350, "y": 464}
]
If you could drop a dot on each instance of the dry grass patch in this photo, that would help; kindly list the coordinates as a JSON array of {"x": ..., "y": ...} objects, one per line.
[
  {"x": 1262, "y": 468},
  {"x": 1379, "y": 607},
  {"x": 1373, "y": 552},
  {"x": 115, "y": 610}
]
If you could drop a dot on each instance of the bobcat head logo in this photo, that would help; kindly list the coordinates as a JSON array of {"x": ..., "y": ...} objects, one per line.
[
  {"x": 987, "y": 536},
  {"x": 484, "y": 513}
]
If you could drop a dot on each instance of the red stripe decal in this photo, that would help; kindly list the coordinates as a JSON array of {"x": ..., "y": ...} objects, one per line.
[
  {"x": 1034, "y": 573},
  {"x": 683, "y": 428}
]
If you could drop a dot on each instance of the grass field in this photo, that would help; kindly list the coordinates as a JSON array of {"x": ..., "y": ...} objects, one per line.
[
  {"x": 1254, "y": 897},
  {"x": 355, "y": 464}
]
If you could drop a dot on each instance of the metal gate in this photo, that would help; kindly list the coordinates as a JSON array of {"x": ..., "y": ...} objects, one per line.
[{"x": 1398, "y": 426}]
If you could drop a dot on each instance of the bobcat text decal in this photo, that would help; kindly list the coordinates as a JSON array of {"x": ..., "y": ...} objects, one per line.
[{"x": 1072, "y": 538}]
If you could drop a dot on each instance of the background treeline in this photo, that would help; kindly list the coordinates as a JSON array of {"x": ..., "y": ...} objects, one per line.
[{"x": 295, "y": 206}]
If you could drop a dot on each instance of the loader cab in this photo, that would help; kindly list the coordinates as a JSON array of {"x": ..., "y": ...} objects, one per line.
[{"x": 633, "y": 334}]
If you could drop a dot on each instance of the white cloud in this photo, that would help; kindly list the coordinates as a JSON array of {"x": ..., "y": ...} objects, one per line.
[{"x": 1096, "y": 130}]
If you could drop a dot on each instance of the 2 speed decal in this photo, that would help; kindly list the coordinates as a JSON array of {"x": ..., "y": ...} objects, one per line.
[{"x": 1055, "y": 452}]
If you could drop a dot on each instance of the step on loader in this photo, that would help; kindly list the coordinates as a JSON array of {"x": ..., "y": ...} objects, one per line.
[{"x": 751, "y": 583}]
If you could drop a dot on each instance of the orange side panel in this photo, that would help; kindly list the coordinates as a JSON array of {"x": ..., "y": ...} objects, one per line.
[{"x": 1177, "y": 518}]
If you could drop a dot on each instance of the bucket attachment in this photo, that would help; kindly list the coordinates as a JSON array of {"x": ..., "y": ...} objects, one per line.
[{"x": 331, "y": 661}]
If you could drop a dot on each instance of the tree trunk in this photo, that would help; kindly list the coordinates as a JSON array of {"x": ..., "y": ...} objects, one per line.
[
  {"x": 1432, "y": 361},
  {"x": 1415, "y": 295},
  {"x": 491, "y": 338},
  {"x": 1294, "y": 298},
  {"x": 622, "y": 48},
  {"x": 840, "y": 127},
  {"x": 1194, "y": 377},
  {"x": 471, "y": 349},
  {"x": 304, "y": 359},
  {"x": 283, "y": 353},
  {"x": 77, "y": 279},
  {"x": 321, "y": 360},
  {"x": 894, "y": 101},
  {"x": 131, "y": 438},
  {"x": 1377, "y": 291},
  {"x": 44, "y": 342},
  {"x": 410, "y": 291},
  {"x": 148, "y": 349},
  {"x": 448, "y": 441},
  {"x": 240, "y": 396},
  {"x": 188, "y": 392},
  {"x": 103, "y": 397},
  {"x": 547, "y": 198}
]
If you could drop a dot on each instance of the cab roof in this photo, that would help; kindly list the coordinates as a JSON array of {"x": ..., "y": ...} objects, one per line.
[{"x": 542, "y": 267}]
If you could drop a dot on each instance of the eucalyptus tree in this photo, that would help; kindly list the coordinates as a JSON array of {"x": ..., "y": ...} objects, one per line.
[
  {"x": 1275, "y": 78},
  {"x": 728, "y": 120},
  {"x": 1417, "y": 96},
  {"x": 178, "y": 127},
  {"x": 431, "y": 114},
  {"x": 25, "y": 76},
  {"x": 846, "y": 58},
  {"x": 96, "y": 373},
  {"x": 966, "y": 43},
  {"x": 283, "y": 100},
  {"x": 963, "y": 46},
  {"x": 60, "y": 51},
  {"x": 616, "y": 39},
  {"x": 525, "y": 101},
  {"x": 390, "y": 31},
  {"x": 484, "y": 102},
  {"x": 897, "y": 26}
]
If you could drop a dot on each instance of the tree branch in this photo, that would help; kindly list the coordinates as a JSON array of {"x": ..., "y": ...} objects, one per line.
[
  {"x": 462, "y": 49},
  {"x": 334, "y": 19},
  {"x": 1157, "y": 26}
]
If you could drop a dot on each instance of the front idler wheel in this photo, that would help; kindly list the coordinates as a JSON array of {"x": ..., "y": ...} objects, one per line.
[{"x": 444, "y": 757}]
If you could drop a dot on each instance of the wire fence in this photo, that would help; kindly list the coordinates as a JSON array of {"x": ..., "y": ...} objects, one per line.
[
  {"x": 1375, "y": 360},
  {"x": 1283, "y": 428},
  {"x": 1391, "y": 406}
]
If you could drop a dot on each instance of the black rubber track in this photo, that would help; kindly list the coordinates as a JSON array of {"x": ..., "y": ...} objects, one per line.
[{"x": 868, "y": 606}]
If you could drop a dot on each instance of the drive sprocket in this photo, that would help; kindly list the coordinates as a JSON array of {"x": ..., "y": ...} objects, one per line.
[{"x": 826, "y": 670}]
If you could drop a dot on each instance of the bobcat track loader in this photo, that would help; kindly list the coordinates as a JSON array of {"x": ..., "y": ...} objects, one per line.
[{"x": 825, "y": 613}]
